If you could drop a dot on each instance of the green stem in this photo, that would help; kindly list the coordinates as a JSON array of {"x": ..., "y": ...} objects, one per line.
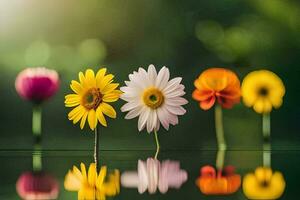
[
  {"x": 96, "y": 148},
  {"x": 220, "y": 137},
  {"x": 266, "y": 129},
  {"x": 157, "y": 145},
  {"x": 37, "y": 135}
]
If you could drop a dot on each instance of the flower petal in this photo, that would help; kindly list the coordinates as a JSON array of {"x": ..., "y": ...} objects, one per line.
[
  {"x": 101, "y": 117},
  {"x": 108, "y": 110}
]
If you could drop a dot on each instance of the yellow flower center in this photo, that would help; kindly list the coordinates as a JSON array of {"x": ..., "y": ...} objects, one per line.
[
  {"x": 153, "y": 98},
  {"x": 92, "y": 98}
]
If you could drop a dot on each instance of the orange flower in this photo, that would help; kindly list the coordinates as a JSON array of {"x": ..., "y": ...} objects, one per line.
[
  {"x": 217, "y": 83},
  {"x": 222, "y": 182}
]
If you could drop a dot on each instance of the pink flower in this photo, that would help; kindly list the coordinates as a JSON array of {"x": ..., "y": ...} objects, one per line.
[
  {"x": 153, "y": 175},
  {"x": 37, "y": 186},
  {"x": 37, "y": 84}
]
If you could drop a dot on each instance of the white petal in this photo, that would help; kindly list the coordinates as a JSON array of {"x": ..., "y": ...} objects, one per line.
[
  {"x": 163, "y": 114},
  {"x": 143, "y": 118},
  {"x": 176, "y": 101},
  {"x": 134, "y": 113},
  {"x": 150, "y": 121},
  {"x": 152, "y": 74},
  {"x": 176, "y": 93},
  {"x": 172, "y": 84},
  {"x": 173, "y": 119},
  {"x": 130, "y": 105},
  {"x": 162, "y": 78},
  {"x": 176, "y": 110}
]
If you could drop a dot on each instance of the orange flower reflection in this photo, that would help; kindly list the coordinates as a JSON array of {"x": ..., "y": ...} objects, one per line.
[
  {"x": 217, "y": 84},
  {"x": 223, "y": 182}
]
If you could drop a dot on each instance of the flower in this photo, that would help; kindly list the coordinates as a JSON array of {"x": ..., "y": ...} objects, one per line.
[
  {"x": 263, "y": 184},
  {"x": 262, "y": 90},
  {"x": 91, "y": 185},
  {"x": 91, "y": 98},
  {"x": 223, "y": 182},
  {"x": 217, "y": 83},
  {"x": 154, "y": 98},
  {"x": 37, "y": 84},
  {"x": 37, "y": 186},
  {"x": 154, "y": 174}
]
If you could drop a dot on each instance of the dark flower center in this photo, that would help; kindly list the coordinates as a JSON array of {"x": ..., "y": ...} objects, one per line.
[
  {"x": 263, "y": 91},
  {"x": 92, "y": 99}
]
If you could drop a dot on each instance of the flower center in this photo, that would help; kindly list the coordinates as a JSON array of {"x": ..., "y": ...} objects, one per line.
[
  {"x": 263, "y": 91},
  {"x": 153, "y": 98},
  {"x": 92, "y": 98}
]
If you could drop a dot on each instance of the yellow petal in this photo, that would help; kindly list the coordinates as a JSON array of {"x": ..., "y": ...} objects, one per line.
[
  {"x": 71, "y": 182},
  {"x": 110, "y": 87},
  {"x": 83, "y": 120},
  {"x": 92, "y": 119},
  {"x": 105, "y": 81},
  {"x": 108, "y": 110},
  {"x": 92, "y": 175},
  {"x": 75, "y": 111},
  {"x": 112, "y": 96},
  {"x": 76, "y": 87},
  {"x": 100, "y": 75},
  {"x": 78, "y": 117},
  {"x": 101, "y": 117},
  {"x": 101, "y": 177},
  {"x": 90, "y": 78},
  {"x": 259, "y": 106},
  {"x": 82, "y": 79},
  {"x": 77, "y": 173},
  {"x": 83, "y": 172}
]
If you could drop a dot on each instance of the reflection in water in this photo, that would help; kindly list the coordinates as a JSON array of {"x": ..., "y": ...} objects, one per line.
[
  {"x": 153, "y": 174},
  {"x": 37, "y": 185},
  {"x": 37, "y": 85},
  {"x": 91, "y": 184},
  {"x": 218, "y": 182},
  {"x": 264, "y": 184}
]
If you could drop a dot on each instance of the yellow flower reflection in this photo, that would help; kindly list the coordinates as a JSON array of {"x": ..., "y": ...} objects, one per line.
[
  {"x": 93, "y": 92},
  {"x": 263, "y": 184},
  {"x": 91, "y": 185},
  {"x": 262, "y": 90}
]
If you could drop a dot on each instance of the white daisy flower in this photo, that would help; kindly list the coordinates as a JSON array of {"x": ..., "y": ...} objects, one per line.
[{"x": 154, "y": 98}]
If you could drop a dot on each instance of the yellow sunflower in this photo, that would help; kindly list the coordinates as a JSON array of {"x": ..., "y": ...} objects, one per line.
[
  {"x": 91, "y": 185},
  {"x": 91, "y": 98},
  {"x": 262, "y": 90}
]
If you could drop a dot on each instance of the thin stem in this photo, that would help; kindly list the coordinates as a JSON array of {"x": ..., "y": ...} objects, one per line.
[
  {"x": 157, "y": 145},
  {"x": 96, "y": 148},
  {"x": 220, "y": 137},
  {"x": 37, "y": 135},
  {"x": 266, "y": 129}
]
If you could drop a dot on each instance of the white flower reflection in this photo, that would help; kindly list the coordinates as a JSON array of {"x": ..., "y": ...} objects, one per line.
[{"x": 153, "y": 174}]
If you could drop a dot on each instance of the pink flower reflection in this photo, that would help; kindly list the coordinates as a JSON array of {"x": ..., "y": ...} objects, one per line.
[
  {"x": 37, "y": 84},
  {"x": 37, "y": 186},
  {"x": 153, "y": 174}
]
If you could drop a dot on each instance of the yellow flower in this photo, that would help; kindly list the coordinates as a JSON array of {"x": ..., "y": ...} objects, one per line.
[
  {"x": 91, "y": 98},
  {"x": 263, "y": 184},
  {"x": 91, "y": 185},
  {"x": 262, "y": 90}
]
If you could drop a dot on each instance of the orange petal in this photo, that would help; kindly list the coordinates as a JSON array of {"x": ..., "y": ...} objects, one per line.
[{"x": 207, "y": 104}]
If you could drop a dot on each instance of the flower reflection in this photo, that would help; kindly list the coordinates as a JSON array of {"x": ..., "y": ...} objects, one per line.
[
  {"x": 264, "y": 184},
  {"x": 91, "y": 185},
  {"x": 37, "y": 186},
  {"x": 221, "y": 182},
  {"x": 153, "y": 174}
]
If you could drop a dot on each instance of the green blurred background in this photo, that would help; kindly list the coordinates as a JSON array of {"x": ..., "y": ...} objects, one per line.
[{"x": 186, "y": 36}]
